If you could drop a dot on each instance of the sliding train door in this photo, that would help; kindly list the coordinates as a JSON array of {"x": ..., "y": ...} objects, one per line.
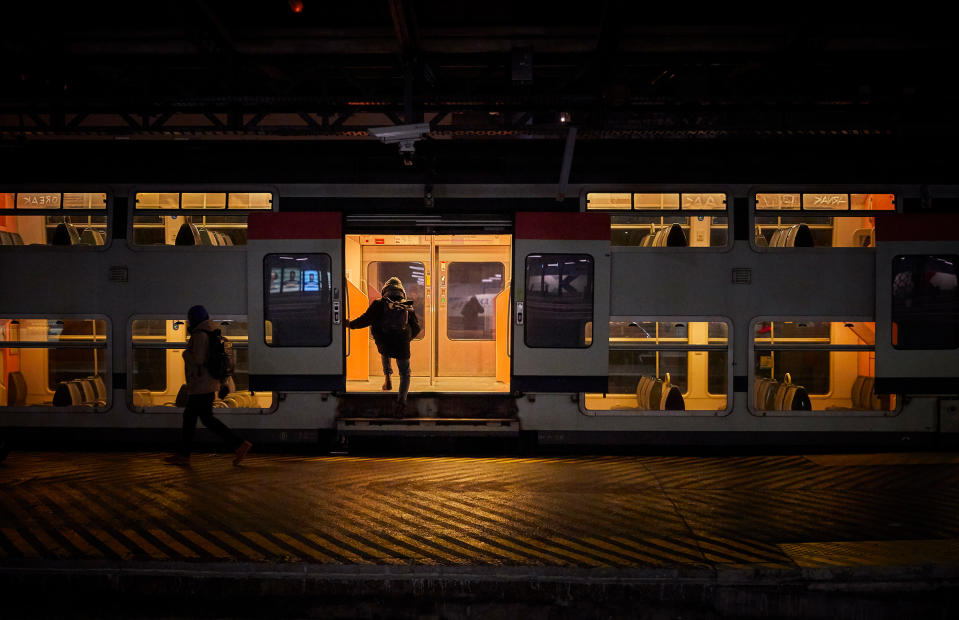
[
  {"x": 473, "y": 273},
  {"x": 296, "y": 301},
  {"x": 561, "y": 276},
  {"x": 917, "y": 303}
]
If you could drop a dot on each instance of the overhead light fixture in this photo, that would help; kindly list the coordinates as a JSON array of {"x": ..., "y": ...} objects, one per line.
[
  {"x": 296, "y": 6},
  {"x": 565, "y": 117}
]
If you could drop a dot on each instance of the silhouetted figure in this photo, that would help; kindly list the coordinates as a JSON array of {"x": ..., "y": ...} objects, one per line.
[
  {"x": 470, "y": 313},
  {"x": 393, "y": 323},
  {"x": 202, "y": 387}
]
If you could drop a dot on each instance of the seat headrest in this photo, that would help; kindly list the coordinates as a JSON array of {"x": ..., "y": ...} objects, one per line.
[{"x": 187, "y": 235}]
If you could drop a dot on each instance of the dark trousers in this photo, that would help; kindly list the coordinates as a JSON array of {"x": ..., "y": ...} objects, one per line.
[{"x": 201, "y": 406}]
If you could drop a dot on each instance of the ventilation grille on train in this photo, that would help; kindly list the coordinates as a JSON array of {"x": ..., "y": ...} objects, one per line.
[{"x": 742, "y": 275}]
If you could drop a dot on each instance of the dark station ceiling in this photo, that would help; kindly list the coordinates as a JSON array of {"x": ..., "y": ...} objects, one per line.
[{"x": 493, "y": 71}]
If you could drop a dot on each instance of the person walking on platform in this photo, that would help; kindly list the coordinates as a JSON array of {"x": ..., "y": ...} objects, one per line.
[
  {"x": 393, "y": 323},
  {"x": 202, "y": 386}
]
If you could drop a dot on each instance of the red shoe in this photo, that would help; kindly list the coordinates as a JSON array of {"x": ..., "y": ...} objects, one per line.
[
  {"x": 177, "y": 459},
  {"x": 241, "y": 452}
]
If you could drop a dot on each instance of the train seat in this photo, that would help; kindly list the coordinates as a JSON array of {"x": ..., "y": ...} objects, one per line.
[
  {"x": 100, "y": 388},
  {"x": 658, "y": 395},
  {"x": 142, "y": 398},
  {"x": 187, "y": 235},
  {"x": 863, "y": 396},
  {"x": 791, "y": 397},
  {"x": 227, "y": 239},
  {"x": 671, "y": 236},
  {"x": 89, "y": 391},
  {"x": 17, "y": 239},
  {"x": 207, "y": 237},
  {"x": 91, "y": 237},
  {"x": 16, "y": 389},
  {"x": 68, "y": 393},
  {"x": 795, "y": 236},
  {"x": 5, "y": 238},
  {"x": 65, "y": 234}
]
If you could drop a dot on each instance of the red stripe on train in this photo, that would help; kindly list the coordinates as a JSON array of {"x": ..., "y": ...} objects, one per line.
[
  {"x": 563, "y": 226},
  {"x": 917, "y": 227},
  {"x": 295, "y": 225}
]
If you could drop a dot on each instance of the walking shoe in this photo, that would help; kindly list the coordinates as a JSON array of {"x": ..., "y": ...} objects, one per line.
[
  {"x": 241, "y": 452},
  {"x": 387, "y": 385},
  {"x": 177, "y": 459},
  {"x": 399, "y": 409}
]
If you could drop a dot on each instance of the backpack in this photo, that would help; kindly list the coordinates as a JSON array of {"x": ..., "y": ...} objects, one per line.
[
  {"x": 220, "y": 361},
  {"x": 396, "y": 317}
]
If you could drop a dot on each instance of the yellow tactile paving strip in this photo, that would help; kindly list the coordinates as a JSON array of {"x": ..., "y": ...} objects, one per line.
[{"x": 604, "y": 511}]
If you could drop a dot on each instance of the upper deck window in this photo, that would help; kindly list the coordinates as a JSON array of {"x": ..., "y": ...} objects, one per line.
[
  {"x": 664, "y": 219},
  {"x": 215, "y": 219},
  {"x": 799, "y": 220},
  {"x": 53, "y": 218}
]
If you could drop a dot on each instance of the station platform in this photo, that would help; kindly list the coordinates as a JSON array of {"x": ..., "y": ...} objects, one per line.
[{"x": 750, "y": 536}]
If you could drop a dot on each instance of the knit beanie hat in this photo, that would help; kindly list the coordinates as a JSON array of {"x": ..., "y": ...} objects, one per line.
[
  {"x": 397, "y": 286},
  {"x": 196, "y": 315}
]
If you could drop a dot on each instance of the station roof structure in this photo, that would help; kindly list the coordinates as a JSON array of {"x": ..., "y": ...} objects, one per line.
[{"x": 478, "y": 73}]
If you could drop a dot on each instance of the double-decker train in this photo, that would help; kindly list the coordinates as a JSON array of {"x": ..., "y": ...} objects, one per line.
[{"x": 682, "y": 314}]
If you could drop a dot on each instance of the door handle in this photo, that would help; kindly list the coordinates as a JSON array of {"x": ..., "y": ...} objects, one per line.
[
  {"x": 520, "y": 313},
  {"x": 336, "y": 313}
]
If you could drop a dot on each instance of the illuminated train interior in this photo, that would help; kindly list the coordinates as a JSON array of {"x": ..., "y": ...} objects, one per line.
[{"x": 673, "y": 322}]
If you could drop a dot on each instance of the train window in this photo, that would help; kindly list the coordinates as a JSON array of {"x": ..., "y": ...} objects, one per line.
[
  {"x": 639, "y": 220},
  {"x": 925, "y": 302},
  {"x": 51, "y": 362},
  {"x": 666, "y": 366},
  {"x": 559, "y": 301},
  {"x": 807, "y": 365},
  {"x": 53, "y": 218},
  {"x": 298, "y": 300},
  {"x": 471, "y": 300},
  {"x": 797, "y": 220},
  {"x": 157, "y": 371},
  {"x": 410, "y": 273},
  {"x": 215, "y": 219}
]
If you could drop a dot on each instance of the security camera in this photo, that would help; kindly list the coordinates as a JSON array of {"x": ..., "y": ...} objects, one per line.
[{"x": 404, "y": 135}]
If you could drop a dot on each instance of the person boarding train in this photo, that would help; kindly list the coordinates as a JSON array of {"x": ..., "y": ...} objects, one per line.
[{"x": 393, "y": 323}]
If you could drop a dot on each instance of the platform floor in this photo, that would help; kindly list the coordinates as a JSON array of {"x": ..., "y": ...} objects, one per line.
[{"x": 603, "y": 511}]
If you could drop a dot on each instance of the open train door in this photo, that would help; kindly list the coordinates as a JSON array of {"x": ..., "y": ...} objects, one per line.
[
  {"x": 561, "y": 276},
  {"x": 295, "y": 289},
  {"x": 917, "y": 304}
]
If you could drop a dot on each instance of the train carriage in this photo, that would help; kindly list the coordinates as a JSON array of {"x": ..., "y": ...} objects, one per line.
[{"x": 689, "y": 314}]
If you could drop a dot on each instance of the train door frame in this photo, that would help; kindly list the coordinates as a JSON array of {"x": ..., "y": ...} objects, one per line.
[
  {"x": 560, "y": 367},
  {"x": 310, "y": 366}
]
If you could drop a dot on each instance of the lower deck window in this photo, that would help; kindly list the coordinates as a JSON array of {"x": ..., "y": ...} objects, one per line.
[
  {"x": 804, "y": 365},
  {"x": 53, "y": 362},
  {"x": 158, "y": 373},
  {"x": 665, "y": 366}
]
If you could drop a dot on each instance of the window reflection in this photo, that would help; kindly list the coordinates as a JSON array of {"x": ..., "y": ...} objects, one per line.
[
  {"x": 471, "y": 300},
  {"x": 559, "y": 300}
]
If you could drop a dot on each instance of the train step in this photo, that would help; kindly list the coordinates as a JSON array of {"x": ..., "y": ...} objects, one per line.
[
  {"x": 438, "y": 426},
  {"x": 433, "y": 406}
]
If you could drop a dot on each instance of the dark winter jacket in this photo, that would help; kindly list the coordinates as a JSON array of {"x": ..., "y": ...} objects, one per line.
[{"x": 393, "y": 345}]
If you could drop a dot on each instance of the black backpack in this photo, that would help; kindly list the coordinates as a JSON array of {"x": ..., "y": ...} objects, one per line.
[
  {"x": 220, "y": 361},
  {"x": 396, "y": 317}
]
